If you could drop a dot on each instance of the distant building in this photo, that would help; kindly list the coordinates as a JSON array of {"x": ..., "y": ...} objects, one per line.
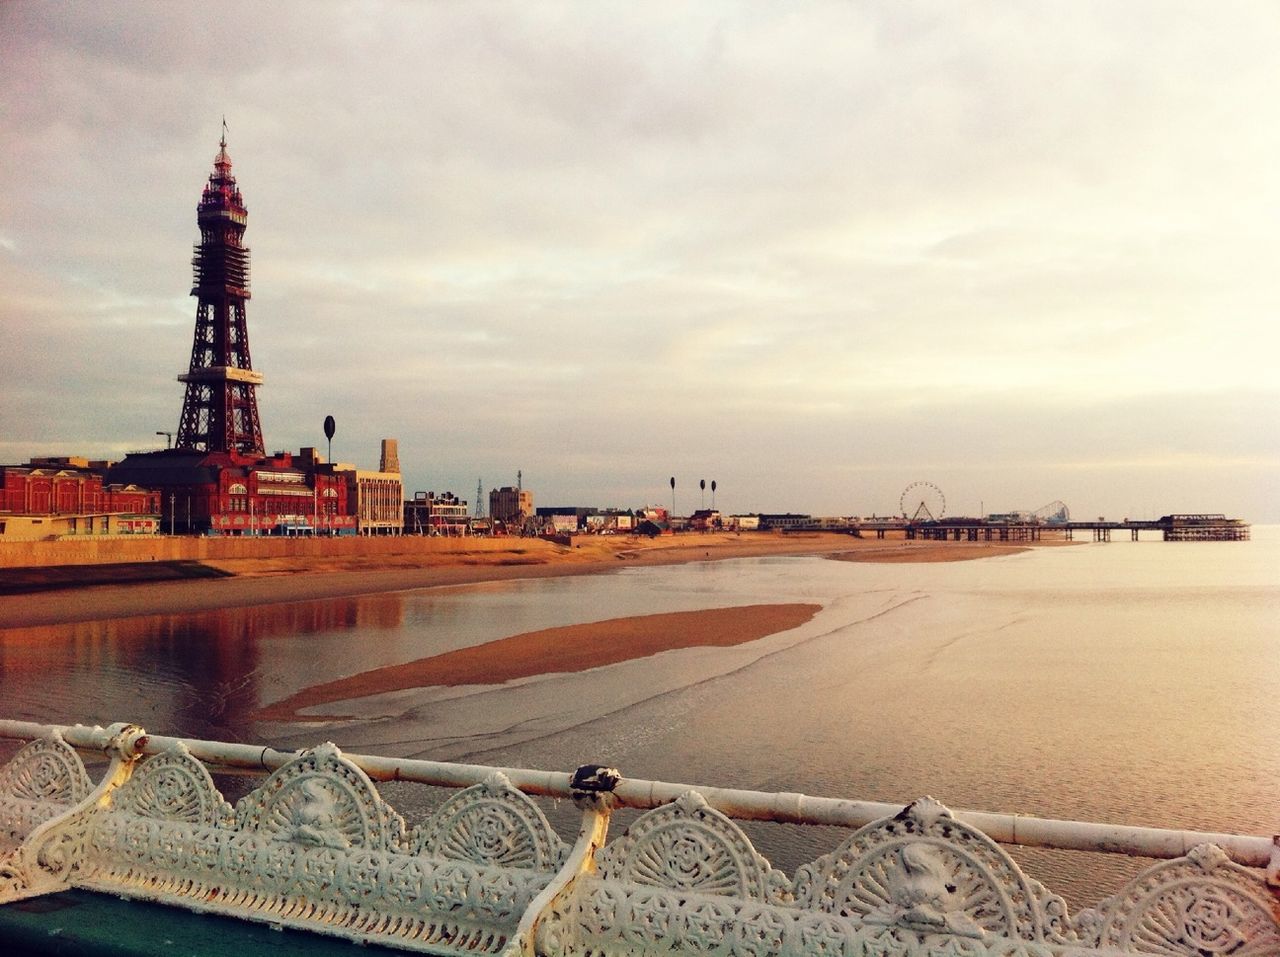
[
  {"x": 390, "y": 459},
  {"x": 54, "y": 497},
  {"x": 610, "y": 520},
  {"x": 431, "y": 514},
  {"x": 705, "y": 520},
  {"x": 786, "y": 520},
  {"x": 510, "y": 505},
  {"x": 563, "y": 518},
  {"x": 376, "y": 499}
]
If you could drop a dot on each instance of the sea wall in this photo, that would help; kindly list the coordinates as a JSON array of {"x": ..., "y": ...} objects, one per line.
[{"x": 109, "y": 550}]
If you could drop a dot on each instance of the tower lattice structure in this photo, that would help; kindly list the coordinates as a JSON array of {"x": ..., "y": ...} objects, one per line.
[{"x": 220, "y": 409}]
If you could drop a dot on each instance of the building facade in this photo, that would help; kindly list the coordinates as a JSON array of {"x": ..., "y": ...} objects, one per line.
[
  {"x": 510, "y": 505},
  {"x": 227, "y": 494},
  {"x": 376, "y": 501},
  {"x": 429, "y": 513},
  {"x": 67, "y": 496}
]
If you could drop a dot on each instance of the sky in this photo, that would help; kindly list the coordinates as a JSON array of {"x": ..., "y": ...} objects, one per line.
[{"x": 815, "y": 252}]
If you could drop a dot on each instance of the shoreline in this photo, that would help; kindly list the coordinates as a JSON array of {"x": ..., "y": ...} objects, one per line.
[{"x": 421, "y": 563}]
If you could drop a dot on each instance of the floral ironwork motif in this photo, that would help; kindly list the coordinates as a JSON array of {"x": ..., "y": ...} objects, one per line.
[
  {"x": 1201, "y": 905},
  {"x": 45, "y": 778},
  {"x": 924, "y": 870},
  {"x": 492, "y": 824},
  {"x": 320, "y": 798},
  {"x": 172, "y": 786},
  {"x": 689, "y": 846},
  {"x": 313, "y": 847}
]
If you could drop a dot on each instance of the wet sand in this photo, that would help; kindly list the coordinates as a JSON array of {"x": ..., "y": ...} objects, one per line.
[
  {"x": 560, "y": 650},
  {"x": 909, "y": 552},
  {"x": 425, "y": 563}
]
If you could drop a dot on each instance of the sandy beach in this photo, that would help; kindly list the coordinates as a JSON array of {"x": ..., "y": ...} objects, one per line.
[
  {"x": 90, "y": 591},
  {"x": 420, "y": 563}
]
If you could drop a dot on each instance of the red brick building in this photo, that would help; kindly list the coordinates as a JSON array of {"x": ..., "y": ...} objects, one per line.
[
  {"x": 226, "y": 493},
  {"x": 69, "y": 496}
]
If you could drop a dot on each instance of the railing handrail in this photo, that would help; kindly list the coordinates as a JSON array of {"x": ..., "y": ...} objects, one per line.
[{"x": 777, "y": 807}]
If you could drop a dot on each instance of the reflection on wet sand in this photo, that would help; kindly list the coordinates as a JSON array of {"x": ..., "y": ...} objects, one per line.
[{"x": 204, "y": 673}]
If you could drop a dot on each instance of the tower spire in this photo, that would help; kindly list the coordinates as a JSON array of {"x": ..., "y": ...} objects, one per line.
[{"x": 220, "y": 409}]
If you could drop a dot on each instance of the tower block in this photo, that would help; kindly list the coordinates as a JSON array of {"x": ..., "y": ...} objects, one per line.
[{"x": 220, "y": 409}]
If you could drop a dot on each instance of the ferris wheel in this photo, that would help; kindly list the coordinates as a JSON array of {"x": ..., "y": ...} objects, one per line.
[{"x": 922, "y": 502}]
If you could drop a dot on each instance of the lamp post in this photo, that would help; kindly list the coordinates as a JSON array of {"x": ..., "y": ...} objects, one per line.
[{"x": 173, "y": 498}]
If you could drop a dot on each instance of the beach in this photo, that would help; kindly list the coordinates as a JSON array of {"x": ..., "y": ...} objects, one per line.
[
  {"x": 1122, "y": 681},
  {"x": 95, "y": 591},
  {"x": 59, "y": 595}
]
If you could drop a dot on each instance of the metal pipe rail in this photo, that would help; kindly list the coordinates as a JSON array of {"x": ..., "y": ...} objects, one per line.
[{"x": 784, "y": 807}]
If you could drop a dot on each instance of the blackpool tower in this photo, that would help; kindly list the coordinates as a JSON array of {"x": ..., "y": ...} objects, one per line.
[{"x": 220, "y": 409}]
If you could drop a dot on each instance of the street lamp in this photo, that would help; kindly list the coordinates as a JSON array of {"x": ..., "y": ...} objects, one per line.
[{"x": 172, "y": 508}]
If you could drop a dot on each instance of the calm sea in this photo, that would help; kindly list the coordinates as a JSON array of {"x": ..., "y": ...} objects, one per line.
[{"x": 1126, "y": 682}]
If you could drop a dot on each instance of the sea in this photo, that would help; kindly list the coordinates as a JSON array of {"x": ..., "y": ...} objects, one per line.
[{"x": 1122, "y": 682}]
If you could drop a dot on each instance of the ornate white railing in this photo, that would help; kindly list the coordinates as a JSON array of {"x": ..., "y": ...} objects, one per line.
[{"x": 314, "y": 846}]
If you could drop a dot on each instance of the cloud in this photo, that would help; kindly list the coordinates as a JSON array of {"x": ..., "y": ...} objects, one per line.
[{"x": 793, "y": 244}]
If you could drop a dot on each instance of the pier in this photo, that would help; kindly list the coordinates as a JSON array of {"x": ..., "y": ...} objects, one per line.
[
  {"x": 315, "y": 848},
  {"x": 1171, "y": 528}
]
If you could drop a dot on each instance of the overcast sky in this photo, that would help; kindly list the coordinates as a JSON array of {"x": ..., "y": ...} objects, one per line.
[{"x": 816, "y": 252}]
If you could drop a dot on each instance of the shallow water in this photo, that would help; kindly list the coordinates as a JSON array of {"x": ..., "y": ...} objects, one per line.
[{"x": 1121, "y": 682}]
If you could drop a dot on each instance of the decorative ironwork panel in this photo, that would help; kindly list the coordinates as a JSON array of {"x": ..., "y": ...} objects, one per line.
[
  {"x": 172, "y": 786},
  {"x": 323, "y": 799},
  {"x": 688, "y": 846},
  {"x": 923, "y": 870},
  {"x": 45, "y": 778},
  {"x": 1201, "y": 905},
  {"x": 313, "y": 847},
  {"x": 491, "y": 824}
]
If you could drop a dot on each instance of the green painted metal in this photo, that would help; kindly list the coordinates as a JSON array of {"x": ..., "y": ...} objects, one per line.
[{"x": 74, "y": 923}]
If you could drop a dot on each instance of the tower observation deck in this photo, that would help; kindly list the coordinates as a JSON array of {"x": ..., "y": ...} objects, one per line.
[{"x": 220, "y": 408}]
